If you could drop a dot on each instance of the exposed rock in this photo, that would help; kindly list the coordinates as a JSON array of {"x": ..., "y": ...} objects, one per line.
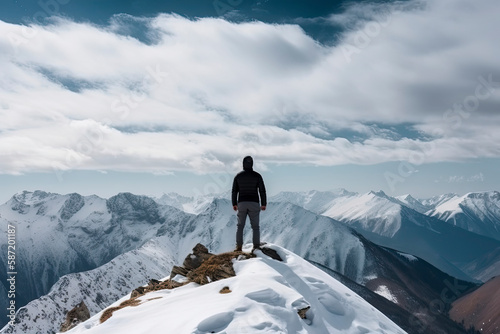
[
  {"x": 225, "y": 290},
  {"x": 271, "y": 253},
  {"x": 200, "y": 249},
  {"x": 71, "y": 206},
  {"x": 153, "y": 282},
  {"x": 199, "y": 255},
  {"x": 126, "y": 206},
  {"x": 200, "y": 267},
  {"x": 303, "y": 311},
  {"x": 176, "y": 270},
  {"x": 306, "y": 314},
  {"x": 216, "y": 268},
  {"x": 78, "y": 314},
  {"x": 138, "y": 292}
]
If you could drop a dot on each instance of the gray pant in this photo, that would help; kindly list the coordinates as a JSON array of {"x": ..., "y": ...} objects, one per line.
[{"x": 252, "y": 209}]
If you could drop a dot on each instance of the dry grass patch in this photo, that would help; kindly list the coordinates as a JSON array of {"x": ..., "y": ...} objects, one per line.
[
  {"x": 225, "y": 290},
  {"x": 109, "y": 311},
  {"x": 216, "y": 268}
]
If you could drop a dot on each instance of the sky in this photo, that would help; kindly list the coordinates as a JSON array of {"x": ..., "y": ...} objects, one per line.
[{"x": 150, "y": 97}]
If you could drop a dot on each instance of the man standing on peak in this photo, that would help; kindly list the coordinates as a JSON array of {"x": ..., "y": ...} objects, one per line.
[{"x": 247, "y": 186}]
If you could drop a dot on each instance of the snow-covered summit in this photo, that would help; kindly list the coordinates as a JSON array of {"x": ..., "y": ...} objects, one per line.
[
  {"x": 414, "y": 203},
  {"x": 265, "y": 297},
  {"x": 437, "y": 200},
  {"x": 477, "y": 212},
  {"x": 373, "y": 211}
]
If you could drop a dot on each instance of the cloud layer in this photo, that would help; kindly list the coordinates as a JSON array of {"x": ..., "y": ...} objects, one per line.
[{"x": 418, "y": 83}]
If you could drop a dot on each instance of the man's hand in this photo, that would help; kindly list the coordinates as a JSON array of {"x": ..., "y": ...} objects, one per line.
[
  {"x": 263, "y": 208},
  {"x": 235, "y": 207}
]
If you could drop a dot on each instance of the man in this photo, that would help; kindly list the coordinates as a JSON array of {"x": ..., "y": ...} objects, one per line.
[{"x": 247, "y": 186}]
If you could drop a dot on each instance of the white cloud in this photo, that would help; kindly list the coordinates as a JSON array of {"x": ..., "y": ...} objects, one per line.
[
  {"x": 479, "y": 177},
  {"x": 206, "y": 92}
]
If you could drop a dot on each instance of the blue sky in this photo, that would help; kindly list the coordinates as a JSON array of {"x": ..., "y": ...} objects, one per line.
[{"x": 99, "y": 97}]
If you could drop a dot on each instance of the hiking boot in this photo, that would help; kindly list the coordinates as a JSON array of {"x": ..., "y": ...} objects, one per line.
[
  {"x": 238, "y": 248},
  {"x": 256, "y": 248}
]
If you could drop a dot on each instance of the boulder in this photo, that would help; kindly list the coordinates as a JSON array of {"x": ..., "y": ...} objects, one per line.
[
  {"x": 78, "y": 314},
  {"x": 199, "y": 255}
]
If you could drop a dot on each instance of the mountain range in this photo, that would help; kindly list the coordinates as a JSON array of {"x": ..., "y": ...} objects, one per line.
[{"x": 97, "y": 250}]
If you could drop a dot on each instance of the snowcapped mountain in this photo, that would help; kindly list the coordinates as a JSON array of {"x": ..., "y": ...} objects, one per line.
[
  {"x": 129, "y": 219},
  {"x": 98, "y": 288},
  {"x": 318, "y": 239},
  {"x": 61, "y": 234},
  {"x": 475, "y": 212},
  {"x": 437, "y": 200},
  {"x": 415, "y": 204},
  {"x": 374, "y": 212},
  {"x": 389, "y": 222},
  {"x": 265, "y": 297}
]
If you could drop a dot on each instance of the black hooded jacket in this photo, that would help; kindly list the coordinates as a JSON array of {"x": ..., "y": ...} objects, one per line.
[{"x": 247, "y": 186}]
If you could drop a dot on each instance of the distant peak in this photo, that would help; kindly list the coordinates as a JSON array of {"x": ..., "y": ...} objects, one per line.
[
  {"x": 495, "y": 195},
  {"x": 31, "y": 196},
  {"x": 379, "y": 193}
]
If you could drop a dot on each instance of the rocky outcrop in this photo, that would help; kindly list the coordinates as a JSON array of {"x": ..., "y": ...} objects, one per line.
[
  {"x": 126, "y": 206},
  {"x": 78, "y": 314},
  {"x": 200, "y": 267},
  {"x": 71, "y": 206}
]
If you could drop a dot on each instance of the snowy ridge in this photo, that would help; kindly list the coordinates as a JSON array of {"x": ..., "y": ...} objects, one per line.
[
  {"x": 265, "y": 297},
  {"x": 62, "y": 234},
  {"x": 437, "y": 200},
  {"x": 98, "y": 288},
  {"x": 414, "y": 203},
  {"x": 372, "y": 211},
  {"x": 398, "y": 224},
  {"x": 475, "y": 212}
]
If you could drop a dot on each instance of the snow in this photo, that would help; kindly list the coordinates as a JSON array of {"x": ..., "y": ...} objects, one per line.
[
  {"x": 384, "y": 291},
  {"x": 51, "y": 243},
  {"x": 266, "y": 296},
  {"x": 97, "y": 288},
  {"x": 452, "y": 204},
  {"x": 371, "y": 211},
  {"x": 409, "y": 257},
  {"x": 475, "y": 212},
  {"x": 180, "y": 279}
]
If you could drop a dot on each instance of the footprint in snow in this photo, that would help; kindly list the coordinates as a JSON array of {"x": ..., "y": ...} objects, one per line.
[
  {"x": 332, "y": 303},
  {"x": 267, "y": 296},
  {"x": 330, "y": 299},
  {"x": 215, "y": 323}
]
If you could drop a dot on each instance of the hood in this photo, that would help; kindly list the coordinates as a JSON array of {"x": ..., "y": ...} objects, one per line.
[{"x": 247, "y": 163}]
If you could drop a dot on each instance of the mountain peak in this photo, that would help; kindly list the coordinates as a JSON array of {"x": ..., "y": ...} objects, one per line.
[
  {"x": 495, "y": 195},
  {"x": 264, "y": 295},
  {"x": 31, "y": 197},
  {"x": 379, "y": 193}
]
